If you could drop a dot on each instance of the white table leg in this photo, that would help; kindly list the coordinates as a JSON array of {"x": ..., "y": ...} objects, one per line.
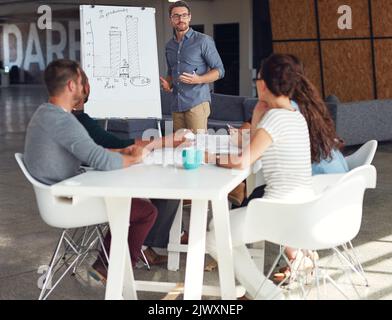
[
  {"x": 220, "y": 211},
  {"x": 173, "y": 261},
  {"x": 119, "y": 210},
  {"x": 129, "y": 287},
  {"x": 196, "y": 250}
]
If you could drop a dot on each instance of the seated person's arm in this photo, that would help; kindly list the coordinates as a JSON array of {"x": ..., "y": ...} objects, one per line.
[
  {"x": 238, "y": 135},
  {"x": 169, "y": 141},
  {"x": 249, "y": 128},
  {"x": 259, "y": 143},
  {"x": 258, "y": 113},
  {"x": 133, "y": 154},
  {"x": 99, "y": 135}
]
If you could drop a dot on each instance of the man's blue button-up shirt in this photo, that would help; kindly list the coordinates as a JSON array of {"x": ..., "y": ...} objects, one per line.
[{"x": 195, "y": 53}]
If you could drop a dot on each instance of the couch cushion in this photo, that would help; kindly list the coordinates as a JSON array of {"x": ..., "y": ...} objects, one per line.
[
  {"x": 249, "y": 105},
  {"x": 359, "y": 122},
  {"x": 227, "y": 107},
  {"x": 131, "y": 128},
  {"x": 332, "y": 99},
  {"x": 219, "y": 124}
]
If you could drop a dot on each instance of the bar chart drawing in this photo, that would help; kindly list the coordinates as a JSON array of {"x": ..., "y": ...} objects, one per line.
[
  {"x": 119, "y": 55},
  {"x": 123, "y": 63}
]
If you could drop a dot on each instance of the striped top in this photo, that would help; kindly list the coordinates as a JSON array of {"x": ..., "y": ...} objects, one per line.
[{"x": 287, "y": 162}]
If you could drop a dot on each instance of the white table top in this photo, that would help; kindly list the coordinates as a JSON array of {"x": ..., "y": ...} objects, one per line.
[{"x": 154, "y": 181}]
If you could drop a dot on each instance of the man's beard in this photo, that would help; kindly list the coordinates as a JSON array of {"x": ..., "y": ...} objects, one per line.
[
  {"x": 78, "y": 98},
  {"x": 182, "y": 27}
]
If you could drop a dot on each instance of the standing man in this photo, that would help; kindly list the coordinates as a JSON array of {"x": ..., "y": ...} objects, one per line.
[{"x": 193, "y": 63}]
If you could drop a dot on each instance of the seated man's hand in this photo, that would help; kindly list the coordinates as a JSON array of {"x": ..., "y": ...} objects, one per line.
[
  {"x": 137, "y": 152},
  {"x": 178, "y": 139}
]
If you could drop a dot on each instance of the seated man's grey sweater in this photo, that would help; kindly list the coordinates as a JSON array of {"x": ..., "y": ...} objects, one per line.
[{"x": 57, "y": 144}]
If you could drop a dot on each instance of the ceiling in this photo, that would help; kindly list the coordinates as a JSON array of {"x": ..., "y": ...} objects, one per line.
[{"x": 22, "y": 10}]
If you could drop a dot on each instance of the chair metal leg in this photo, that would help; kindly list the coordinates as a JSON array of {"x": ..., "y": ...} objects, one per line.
[
  {"x": 51, "y": 264},
  {"x": 345, "y": 262},
  {"x": 356, "y": 262},
  {"x": 76, "y": 251},
  {"x": 102, "y": 244},
  {"x": 145, "y": 261}
]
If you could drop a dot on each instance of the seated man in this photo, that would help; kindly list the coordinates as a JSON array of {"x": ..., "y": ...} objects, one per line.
[
  {"x": 57, "y": 144},
  {"x": 159, "y": 235}
]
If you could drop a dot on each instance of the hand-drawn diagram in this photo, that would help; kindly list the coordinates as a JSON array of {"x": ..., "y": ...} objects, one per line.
[
  {"x": 122, "y": 48},
  {"x": 119, "y": 54}
]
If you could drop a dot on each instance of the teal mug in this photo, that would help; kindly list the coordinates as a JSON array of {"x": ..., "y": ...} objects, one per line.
[{"x": 192, "y": 158}]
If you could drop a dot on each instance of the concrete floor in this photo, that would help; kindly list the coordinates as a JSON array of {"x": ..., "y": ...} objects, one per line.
[{"x": 26, "y": 242}]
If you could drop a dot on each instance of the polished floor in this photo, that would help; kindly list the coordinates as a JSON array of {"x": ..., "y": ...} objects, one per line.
[{"x": 26, "y": 242}]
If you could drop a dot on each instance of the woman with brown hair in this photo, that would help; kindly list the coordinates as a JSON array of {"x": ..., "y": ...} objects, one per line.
[{"x": 280, "y": 139}]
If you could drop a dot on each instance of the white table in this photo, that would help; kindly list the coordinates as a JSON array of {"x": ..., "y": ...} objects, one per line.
[{"x": 207, "y": 183}]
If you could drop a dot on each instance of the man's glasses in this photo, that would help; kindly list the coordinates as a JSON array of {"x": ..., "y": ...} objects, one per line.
[{"x": 178, "y": 16}]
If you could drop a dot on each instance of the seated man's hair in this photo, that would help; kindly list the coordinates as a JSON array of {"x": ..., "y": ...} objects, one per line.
[{"x": 58, "y": 73}]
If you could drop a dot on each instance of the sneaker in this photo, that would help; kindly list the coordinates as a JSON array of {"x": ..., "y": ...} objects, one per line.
[{"x": 98, "y": 271}]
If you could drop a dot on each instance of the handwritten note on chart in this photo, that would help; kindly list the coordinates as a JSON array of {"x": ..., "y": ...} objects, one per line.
[{"x": 120, "y": 57}]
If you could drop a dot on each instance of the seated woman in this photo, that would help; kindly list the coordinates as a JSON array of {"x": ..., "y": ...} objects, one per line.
[
  {"x": 326, "y": 146},
  {"x": 281, "y": 140},
  {"x": 324, "y": 141}
]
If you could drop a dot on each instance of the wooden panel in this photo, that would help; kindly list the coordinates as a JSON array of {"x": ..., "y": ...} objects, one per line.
[
  {"x": 382, "y": 18},
  {"x": 329, "y": 16},
  {"x": 308, "y": 53},
  {"x": 293, "y": 19},
  {"x": 348, "y": 69},
  {"x": 383, "y": 48}
]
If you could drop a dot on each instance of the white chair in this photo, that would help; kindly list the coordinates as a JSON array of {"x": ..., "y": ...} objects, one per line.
[
  {"x": 326, "y": 221},
  {"x": 69, "y": 214},
  {"x": 363, "y": 156}
]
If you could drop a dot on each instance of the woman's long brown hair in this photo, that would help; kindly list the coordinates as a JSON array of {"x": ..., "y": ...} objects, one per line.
[{"x": 284, "y": 75}]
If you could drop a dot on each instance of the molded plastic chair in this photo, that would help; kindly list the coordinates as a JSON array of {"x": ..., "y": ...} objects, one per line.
[
  {"x": 68, "y": 213},
  {"x": 328, "y": 220},
  {"x": 363, "y": 156}
]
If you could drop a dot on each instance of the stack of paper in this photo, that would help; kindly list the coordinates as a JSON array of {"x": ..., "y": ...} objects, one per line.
[{"x": 215, "y": 144}]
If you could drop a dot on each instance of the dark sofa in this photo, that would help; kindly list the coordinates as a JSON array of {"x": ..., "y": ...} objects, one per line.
[{"x": 356, "y": 122}]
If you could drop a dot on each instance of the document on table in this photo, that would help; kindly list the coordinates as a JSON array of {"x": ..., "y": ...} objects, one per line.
[
  {"x": 215, "y": 144},
  {"x": 165, "y": 157}
]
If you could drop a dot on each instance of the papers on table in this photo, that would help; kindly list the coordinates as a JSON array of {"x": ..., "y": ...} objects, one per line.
[
  {"x": 212, "y": 143},
  {"x": 215, "y": 144},
  {"x": 164, "y": 157}
]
